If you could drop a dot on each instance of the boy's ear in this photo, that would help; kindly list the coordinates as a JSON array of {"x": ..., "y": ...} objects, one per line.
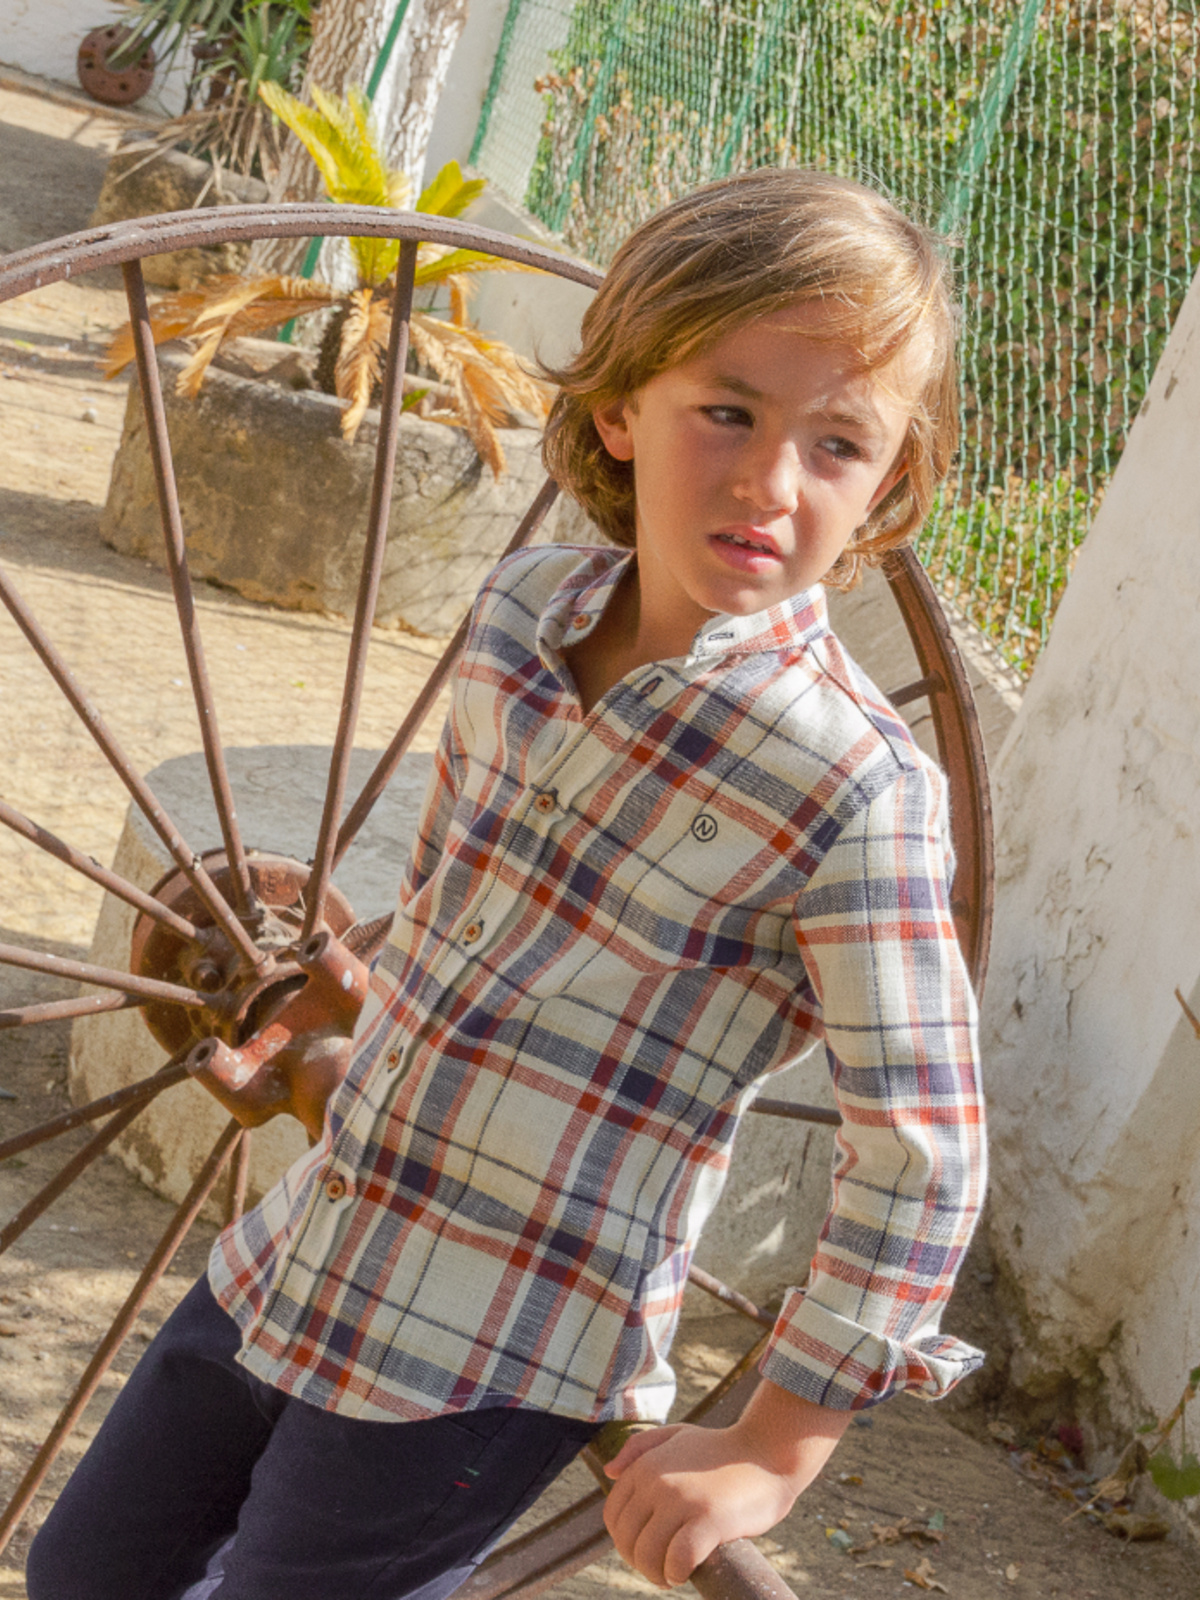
[
  {"x": 612, "y": 424},
  {"x": 891, "y": 479}
]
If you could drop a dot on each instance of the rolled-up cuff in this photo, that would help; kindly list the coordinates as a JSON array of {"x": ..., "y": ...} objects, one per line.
[{"x": 827, "y": 1358}]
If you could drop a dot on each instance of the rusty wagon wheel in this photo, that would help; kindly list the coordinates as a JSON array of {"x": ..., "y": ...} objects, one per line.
[{"x": 234, "y": 951}]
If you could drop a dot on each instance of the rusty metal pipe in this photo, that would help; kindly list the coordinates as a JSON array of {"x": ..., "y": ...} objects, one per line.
[
  {"x": 159, "y": 444},
  {"x": 173, "y": 1072},
  {"x": 797, "y": 1112},
  {"x": 240, "y": 1176},
  {"x": 15, "y": 955},
  {"x": 336, "y": 975},
  {"x": 181, "y": 852},
  {"x": 932, "y": 684},
  {"x": 403, "y": 737},
  {"x": 117, "y": 242},
  {"x": 368, "y": 586},
  {"x": 65, "y": 1177},
  {"x": 158, "y": 1263},
  {"x": 112, "y": 881},
  {"x": 729, "y": 1297},
  {"x": 87, "y": 1005},
  {"x": 960, "y": 745}
]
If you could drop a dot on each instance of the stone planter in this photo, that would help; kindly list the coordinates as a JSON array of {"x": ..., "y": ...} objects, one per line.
[
  {"x": 274, "y": 501},
  {"x": 171, "y": 181}
]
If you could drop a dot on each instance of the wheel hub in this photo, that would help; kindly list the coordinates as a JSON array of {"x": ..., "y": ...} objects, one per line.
[{"x": 240, "y": 998}]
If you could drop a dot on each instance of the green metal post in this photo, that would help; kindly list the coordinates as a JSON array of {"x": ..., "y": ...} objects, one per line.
[
  {"x": 493, "y": 88},
  {"x": 765, "y": 54},
  {"x": 986, "y": 122},
  {"x": 608, "y": 64}
]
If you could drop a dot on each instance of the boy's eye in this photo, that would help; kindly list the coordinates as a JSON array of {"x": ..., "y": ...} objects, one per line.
[
  {"x": 843, "y": 449},
  {"x": 729, "y": 416}
]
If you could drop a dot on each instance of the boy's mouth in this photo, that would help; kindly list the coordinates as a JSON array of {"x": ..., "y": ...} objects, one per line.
[{"x": 748, "y": 539}]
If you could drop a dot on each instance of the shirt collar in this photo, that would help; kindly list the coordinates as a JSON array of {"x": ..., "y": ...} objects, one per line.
[{"x": 580, "y": 599}]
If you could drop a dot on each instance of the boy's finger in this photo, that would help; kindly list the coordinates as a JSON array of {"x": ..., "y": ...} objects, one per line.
[
  {"x": 636, "y": 1445},
  {"x": 691, "y": 1545},
  {"x": 650, "y": 1550}
]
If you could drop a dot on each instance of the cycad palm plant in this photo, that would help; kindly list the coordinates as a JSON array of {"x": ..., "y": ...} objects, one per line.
[{"x": 482, "y": 381}]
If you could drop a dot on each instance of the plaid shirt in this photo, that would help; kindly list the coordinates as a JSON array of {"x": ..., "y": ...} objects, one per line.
[{"x": 611, "y": 929}]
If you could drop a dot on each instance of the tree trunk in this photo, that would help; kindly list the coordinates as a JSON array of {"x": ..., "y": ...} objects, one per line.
[{"x": 347, "y": 38}]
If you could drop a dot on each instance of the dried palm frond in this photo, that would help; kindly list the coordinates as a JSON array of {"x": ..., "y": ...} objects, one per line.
[
  {"x": 488, "y": 381},
  {"x": 360, "y": 360},
  {"x": 224, "y": 307}
]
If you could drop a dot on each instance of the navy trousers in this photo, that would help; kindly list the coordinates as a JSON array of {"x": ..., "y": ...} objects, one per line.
[{"x": 201, "y": 1468}]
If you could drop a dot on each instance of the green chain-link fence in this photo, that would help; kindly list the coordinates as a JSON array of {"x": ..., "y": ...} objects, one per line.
[{"x": 1055, "y": 140}]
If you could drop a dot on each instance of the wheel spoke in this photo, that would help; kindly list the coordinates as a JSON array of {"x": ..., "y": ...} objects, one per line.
[
  {"x": 158, "y": 1263},
  {"x": 797, "y": 1112},
  {"x": 172, "y": 1072},
  {"x": 729, "y": 1297},
  {"x": 930, "y": 685},
  {"x": 182, "y": 854},
  {"x": 15, "y": 955},
  {"x": 390, "y": 760},
  {"x": 65, "y": 1177},
  {"x": 368, "y": 587},
  {"x": 181, "y": 583},
  {"x": 239, "y": 1177},
  {"x": 112, "y": 881},
  {"x": 87, "y": 1005}
]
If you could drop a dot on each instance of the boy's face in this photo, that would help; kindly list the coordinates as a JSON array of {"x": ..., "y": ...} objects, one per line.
[{"x": 754, "y": 463}]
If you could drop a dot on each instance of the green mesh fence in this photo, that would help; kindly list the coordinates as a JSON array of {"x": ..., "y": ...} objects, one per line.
[{"x": 1055, "y": 140}]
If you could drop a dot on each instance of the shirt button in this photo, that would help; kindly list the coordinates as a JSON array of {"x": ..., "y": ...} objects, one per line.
[
  {"x": 472, "y": 932},
  {"x": 335, "y": 1188},
  {"x": 546, "y": 802},
  {"x": 581, "y": 621},
  {"x": 393, "y": 1060}
]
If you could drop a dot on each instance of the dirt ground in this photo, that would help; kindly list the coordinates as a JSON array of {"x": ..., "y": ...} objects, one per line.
[{"x": 947, "y": 1500}]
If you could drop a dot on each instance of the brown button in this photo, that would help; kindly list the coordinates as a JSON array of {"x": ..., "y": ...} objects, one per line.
[
  {"x": 581, "y": 621},
  {"x": 546, "y": 801},
  {"x": 335, "y": 1188},
  {"x": 393, "y": 1060},
  {"x": 472, "y": 932}
]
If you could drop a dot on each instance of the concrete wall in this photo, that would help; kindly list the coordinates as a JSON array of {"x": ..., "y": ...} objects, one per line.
[
  {"x": 462, "y": 98},
  {"x": 1094, "y": 1074},
  {"x": 43, "y": 36}
]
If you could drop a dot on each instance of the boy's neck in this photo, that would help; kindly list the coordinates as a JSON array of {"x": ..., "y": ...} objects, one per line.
[{"x": 628, "y": 636}]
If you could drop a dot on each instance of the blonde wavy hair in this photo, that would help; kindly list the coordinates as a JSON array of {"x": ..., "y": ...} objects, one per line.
[{"x": 739, "y": 249}]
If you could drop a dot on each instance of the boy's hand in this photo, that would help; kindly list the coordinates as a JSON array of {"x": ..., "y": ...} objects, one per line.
[{"x": 680, "y": 1491}]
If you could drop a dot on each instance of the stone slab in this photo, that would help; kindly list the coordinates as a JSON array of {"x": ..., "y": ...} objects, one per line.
[{"x": 141, "y": 181}]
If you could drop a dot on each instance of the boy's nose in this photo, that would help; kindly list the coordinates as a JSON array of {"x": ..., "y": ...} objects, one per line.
[{"x": 770, "y": 481}]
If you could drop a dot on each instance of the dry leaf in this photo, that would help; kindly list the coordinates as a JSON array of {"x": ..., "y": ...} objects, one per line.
[
  {"x": 850, "y": 1477},
  {"x": 1003, "y": 1432},
  {"x": 1011, "y": 1571},
  {"x": 1129, "y": 1525},
  {"x": 876, "y": 1561},
  {"x": 922, "y": 1576}
]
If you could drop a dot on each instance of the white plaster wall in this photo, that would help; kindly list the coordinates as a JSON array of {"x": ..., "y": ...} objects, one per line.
[
  {"x": 43, "y": 37},
  {"x": 1093, "y": 1073},
  {"x": 462, "y": 98}
]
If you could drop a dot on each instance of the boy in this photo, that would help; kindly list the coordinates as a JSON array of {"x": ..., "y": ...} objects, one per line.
[{"x": 673, "y": 837}]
